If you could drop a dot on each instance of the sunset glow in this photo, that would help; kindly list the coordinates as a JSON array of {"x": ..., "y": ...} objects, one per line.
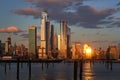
[{"x": 87, "y": 51}]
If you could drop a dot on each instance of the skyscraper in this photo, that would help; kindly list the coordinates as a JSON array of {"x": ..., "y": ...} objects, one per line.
[
  {"x": 68, "y": 42},
  {"x": 59, "y": 42},
  {"x": 9, "y": 40},
  {"x": 7, "y": 47},
  {"x": 52, "y": 37},
  {"x": 47, "y": 37},
  {"x": 32, "y": 41},
  {"x": 63, "y": 36},
  {"x": 44, "y": 24},
  {"x": 55, "y": 41}
]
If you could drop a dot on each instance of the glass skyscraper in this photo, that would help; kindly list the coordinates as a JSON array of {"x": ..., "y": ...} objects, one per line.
[
  {"x": 32, "y": 41},
  {"x": 63, "y": 38},
  {"x": 44, "y": 35}
]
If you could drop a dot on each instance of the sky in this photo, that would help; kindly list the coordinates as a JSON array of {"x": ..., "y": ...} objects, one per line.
[{"x": 95, "y": 22}]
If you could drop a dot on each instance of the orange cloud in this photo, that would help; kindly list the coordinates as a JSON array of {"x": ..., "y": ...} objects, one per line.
[{"x": 10, "y": 29}]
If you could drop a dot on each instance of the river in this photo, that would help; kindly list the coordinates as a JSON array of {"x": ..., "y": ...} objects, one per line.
[{"x": 59, "y": 71}]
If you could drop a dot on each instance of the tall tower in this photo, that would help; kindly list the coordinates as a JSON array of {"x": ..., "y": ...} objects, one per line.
[
  {"x": 55, "y": 41},
  {"x": 59, "y": 42},
  {"x": 63, "y": 38},
  {"x": 44, "y": 24},
  {"x": 47, "y": 37},
  {"x": 68, "y": 42},
  {"x": 9, "y": 40},
  {"x": 52, "y": 37},
  {"x": 7, "y": 47},
  {"x": 32, "y": 41}
]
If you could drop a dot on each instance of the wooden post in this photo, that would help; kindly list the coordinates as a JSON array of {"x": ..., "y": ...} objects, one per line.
[
  {"x": 18, "y": 69},
  {"x": 81, "y": 69},
  {"x": 111, "y": 65},
  {"x": 75, "y": 69},
  {"x": 29, "y": 69}
]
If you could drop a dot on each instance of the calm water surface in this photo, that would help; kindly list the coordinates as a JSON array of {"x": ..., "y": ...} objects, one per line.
[{"x": 60, "y": 71}]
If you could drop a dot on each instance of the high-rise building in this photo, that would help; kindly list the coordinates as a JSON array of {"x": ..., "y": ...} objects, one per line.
[
  {"x": 6, "y": 47},
  {"x": 43, "y": 32},
  {"x": 47, "y": 37},
  {"x": 113, "y": 52},
  {"x": 76, "y": 51},
  {"x": 32, "y": 41},
  {"x": 59, "y": 42},
  {"x": 3, "y": 47},
  {"x": 9, "y": 40},
  {"x": 55, "y": 41},
  {"x": 68, "y": 42},
  {"x": 52, "y": 37},
  {"x": 63, "y": 40}
]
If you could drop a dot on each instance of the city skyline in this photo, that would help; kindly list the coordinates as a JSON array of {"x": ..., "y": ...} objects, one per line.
[{"x": 94, "y": 22}]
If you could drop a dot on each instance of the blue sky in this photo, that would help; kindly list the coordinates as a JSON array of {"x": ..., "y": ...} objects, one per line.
[{"x": 96, "y": 22}]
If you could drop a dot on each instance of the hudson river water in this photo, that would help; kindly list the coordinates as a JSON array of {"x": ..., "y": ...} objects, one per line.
[{"x": 59, "y": 71}]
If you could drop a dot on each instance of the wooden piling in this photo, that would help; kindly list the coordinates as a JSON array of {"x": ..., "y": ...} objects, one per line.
[
  {"x": 75, "y": 69},
  {"x": 18, "y": 69}
]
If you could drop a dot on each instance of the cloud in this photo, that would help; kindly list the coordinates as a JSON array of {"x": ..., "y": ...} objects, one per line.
[
  {"x": 114, "y": 21},
  {"x": 117, "y": 23},
  {"x": 73, "y": 11},
  {"x": 28, "y": 11},
  {"x": 10, "y": 29},
  {"x": 118, "y": 3},
  {"x": 85, "y": 16},
  {"x": 90, "y": 17}
]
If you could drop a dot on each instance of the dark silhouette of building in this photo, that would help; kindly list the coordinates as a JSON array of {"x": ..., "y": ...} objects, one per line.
[{"x": 108, "y": 53}]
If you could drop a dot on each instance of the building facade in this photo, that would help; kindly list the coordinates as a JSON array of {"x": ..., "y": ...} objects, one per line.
[
  {"x": 68, "y": 42},
  {"x": 44, "y": 35},
  {"x": 52, "y": 37},
  {"x": 32, "y": 41},
  {"x": 6, "y": 47},
  {"x": 48, "y": 38},
  {"x": 63, "y": 38}
]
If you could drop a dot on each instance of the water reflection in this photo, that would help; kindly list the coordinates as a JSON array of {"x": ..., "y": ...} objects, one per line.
[
  {"x": 59, "y": 71},
  {"x": 88, "y": 71}
]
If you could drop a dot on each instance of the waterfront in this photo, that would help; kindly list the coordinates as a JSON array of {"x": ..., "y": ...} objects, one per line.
[{"x": 60, "y": 71}]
